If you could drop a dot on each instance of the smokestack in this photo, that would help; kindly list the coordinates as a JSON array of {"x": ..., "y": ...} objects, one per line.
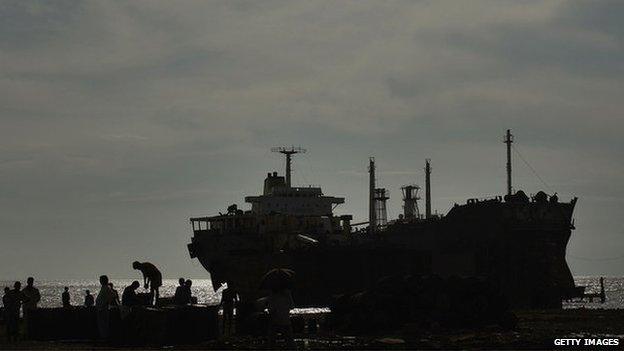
[
  {"x": 427, "y": 188},
  {"x": 372, "y": 221},
  {"x": 410, "y": 198}
]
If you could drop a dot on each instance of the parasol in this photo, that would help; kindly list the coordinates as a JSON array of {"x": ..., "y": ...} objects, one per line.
[{"x": 278, "y": 279}]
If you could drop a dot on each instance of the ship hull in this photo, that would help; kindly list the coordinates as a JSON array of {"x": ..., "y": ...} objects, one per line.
[{"x": 519, "y": 246}]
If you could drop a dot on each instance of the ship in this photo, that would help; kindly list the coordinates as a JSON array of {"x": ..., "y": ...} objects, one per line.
[{"x": 517, "y": 241}]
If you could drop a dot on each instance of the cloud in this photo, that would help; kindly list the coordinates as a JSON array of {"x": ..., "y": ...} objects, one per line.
[{"x": 138, "y": 107}]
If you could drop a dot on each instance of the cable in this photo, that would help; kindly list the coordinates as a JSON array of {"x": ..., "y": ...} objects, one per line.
[{"x": 532, "y": 169}]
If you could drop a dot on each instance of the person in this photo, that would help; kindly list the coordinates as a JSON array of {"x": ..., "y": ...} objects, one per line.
[
  {"x": 129, "y": 297},
  {"x": 31, "y": 296},
  {"x": 11, "y": 323},
  {"x": 89, "y": 299},
  {"x": 189, "y": 293},
  {"x": 602, "y": 291},
  {"x": 66, "y": 298},
  {"x": 152, "y": 277},
  {"x": 279, "y": 304},
  {"x": 12, "y": 303},
  {"x": 103, "y": 300},
  {"x": 228, "y": 298},
  {"x": 6, "y": 299},
  {"x": 116, "y": 301},
  {"x": 180, "y": 297},
  {"x": 6, "y": 302}
]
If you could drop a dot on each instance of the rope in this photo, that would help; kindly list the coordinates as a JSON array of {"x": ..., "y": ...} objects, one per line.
[
  {"x": 532, "y": 169},
  {"x": 538, "y": 176}
]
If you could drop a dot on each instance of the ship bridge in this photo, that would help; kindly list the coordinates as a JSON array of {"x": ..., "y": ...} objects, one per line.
[{"x": 279, "y": 197}]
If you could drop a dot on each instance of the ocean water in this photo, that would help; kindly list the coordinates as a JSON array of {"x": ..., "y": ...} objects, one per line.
[
  {"x": 51, "y": 291},
  {"x": 614, "y": 291}
]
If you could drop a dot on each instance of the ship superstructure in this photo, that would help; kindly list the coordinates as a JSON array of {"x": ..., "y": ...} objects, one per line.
[
  {"x": 517, "y": 241},
  {"x": 295, "y": 201}
]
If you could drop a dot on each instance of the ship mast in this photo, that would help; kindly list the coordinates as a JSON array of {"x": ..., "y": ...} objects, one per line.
[
  {"x": 288, "y": 151},
  {"x": 508, "y": 140},
  {"x": 427, "y": 188},
  {"x": 372, "y": 220}
]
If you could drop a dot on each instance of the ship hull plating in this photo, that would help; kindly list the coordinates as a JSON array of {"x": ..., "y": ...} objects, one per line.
[{"x": 518, "y": 245}]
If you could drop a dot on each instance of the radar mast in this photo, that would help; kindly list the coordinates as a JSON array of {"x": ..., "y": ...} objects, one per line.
[{"x": 288, "y": 151}]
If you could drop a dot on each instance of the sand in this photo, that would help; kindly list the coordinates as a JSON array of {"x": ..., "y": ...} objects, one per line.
[{"x": 536, "y": 330}]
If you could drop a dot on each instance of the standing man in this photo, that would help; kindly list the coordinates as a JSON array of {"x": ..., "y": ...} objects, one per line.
[
  {"x": 31, "y": 296},
  {"x": 189, "y": 293},
  {"x": 180, "y": 293},
  {"x": 228, "y": 298},
  {"x": 9, "y": 306},
  {"x": 12, "y": 303},
  {"x": 116, "y": 300},
  {"x": 152, "y": 277},
  {"x": 65, "y": 298},
  {"x": 279, "y": 304},
  {"x": 102, "y": 301}
]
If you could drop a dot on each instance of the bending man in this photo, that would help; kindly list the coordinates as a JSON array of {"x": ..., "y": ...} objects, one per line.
[{"x": 151, "y": 277}]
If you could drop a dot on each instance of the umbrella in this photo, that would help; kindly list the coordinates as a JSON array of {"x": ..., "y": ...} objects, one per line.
[{"x": 278, "y": 279}]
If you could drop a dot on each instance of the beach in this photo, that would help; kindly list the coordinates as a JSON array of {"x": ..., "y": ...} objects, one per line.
[{"x": 536, "y": 330}]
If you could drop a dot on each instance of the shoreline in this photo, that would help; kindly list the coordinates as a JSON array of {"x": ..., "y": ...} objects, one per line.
[{"x": 537, "y": 329}]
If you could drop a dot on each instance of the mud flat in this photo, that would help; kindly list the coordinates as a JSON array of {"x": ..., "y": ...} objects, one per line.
[{"x": 535, "y": 330}]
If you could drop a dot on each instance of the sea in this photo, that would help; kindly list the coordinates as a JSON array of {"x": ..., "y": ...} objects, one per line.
[{"x": 51, "y": 291}]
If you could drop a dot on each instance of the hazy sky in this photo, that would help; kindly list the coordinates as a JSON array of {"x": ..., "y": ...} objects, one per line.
[{"x": 122, "y": 119}]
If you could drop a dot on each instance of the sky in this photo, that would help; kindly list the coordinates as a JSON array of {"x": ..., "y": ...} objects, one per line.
[{"x": 122, "y": 119}]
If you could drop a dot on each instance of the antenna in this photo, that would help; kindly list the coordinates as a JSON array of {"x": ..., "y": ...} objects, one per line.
[
  {"x": 508, "y": 140},
  {"x": 288, "y": 151}
]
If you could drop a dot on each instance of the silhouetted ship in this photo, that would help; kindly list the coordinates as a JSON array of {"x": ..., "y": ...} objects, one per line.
[{"x": 518, "y": 242}]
